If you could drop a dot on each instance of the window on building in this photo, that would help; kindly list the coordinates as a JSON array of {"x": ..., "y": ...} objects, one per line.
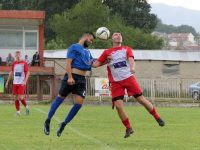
[
  {"x": 170, "y": 68},
  {"x": 11, "y": 39},
  {"x": 19, "y": 37},
  {"x": 31, "y": 40}
]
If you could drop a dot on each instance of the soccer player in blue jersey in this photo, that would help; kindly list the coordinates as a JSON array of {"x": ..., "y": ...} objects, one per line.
[{"x": 78, "y": 62}]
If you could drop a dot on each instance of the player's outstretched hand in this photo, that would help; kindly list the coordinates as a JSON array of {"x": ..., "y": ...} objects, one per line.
[{"x": 70, "y": 81}]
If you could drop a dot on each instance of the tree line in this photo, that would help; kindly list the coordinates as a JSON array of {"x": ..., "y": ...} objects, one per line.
[{"x": 66, "y": 20}]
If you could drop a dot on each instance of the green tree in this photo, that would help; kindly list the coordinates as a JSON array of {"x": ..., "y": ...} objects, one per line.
[
  {"x": 161, "y": 27},
  {"x": 85, "y": 17},
  {"x": 186, "y": 29},
  {"x": 135, "y": 13}
]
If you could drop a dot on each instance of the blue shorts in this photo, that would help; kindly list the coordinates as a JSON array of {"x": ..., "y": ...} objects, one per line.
[{"x": 79, "y": 88}]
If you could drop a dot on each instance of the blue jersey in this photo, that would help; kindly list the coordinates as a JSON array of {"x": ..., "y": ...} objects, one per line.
[{"x": 81, "y": 57}]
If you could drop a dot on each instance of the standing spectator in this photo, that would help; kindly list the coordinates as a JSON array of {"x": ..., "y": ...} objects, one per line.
[
  {"x": 26, "y": 59},
  {"x": 36, "y": 59},
  {"x": 9, "y": 59}
]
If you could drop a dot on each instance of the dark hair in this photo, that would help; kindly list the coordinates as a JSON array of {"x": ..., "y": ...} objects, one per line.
[
  {"x": 117, "y": 32},
  {"x": 17, "y": 52},
  {"x": 89, "y": 33}
]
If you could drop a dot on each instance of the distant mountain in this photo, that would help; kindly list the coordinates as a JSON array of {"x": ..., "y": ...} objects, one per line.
[{"x": 177, "y": 15}]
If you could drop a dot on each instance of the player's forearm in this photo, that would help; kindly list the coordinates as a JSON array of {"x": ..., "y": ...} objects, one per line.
[
  {"x": 96, "y": 64},
  {"x": 131, "y": 63},
  {"x": 69, "y": 70},
  {"x": 9, "y": 77},
  {"x": 27, "y": 76}
]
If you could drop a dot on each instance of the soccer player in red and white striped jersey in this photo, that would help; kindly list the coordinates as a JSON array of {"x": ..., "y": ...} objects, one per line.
[
  {"x": 20, "y": 73},
  {"x": 121, "y": 76}
]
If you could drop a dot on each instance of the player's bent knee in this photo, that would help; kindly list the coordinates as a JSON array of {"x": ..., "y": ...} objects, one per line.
[
  {"x": 141, "y": 99},
  {"x": 79, "y": 99}
]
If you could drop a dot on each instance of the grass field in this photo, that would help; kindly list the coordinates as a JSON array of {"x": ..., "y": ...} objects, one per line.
[{"x": 98, "y": 127}]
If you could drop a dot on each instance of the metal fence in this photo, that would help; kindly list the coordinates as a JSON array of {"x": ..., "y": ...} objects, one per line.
[
  {"x": 152, "y": 88},
  {"x": 31, "y": 88},
  {"x": 171, "y": 88}
]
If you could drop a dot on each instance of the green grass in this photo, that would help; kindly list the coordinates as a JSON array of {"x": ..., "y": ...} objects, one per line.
[{"x": 98, "y": 127}]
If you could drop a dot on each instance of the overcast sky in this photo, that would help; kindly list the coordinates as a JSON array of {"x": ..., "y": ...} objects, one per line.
[{"x": 191, "y": 4}]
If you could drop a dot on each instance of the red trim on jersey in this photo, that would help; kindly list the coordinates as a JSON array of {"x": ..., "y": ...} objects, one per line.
[{"x": 107, "y": 52}]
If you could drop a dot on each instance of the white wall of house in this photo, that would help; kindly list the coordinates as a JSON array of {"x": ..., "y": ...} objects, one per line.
[
  {"x": 173, "y": 43},
  {"x": 191, "y": 38}
]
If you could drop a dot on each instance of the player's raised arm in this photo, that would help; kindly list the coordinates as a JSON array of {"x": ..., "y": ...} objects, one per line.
[{"x": 102, "y": 60}]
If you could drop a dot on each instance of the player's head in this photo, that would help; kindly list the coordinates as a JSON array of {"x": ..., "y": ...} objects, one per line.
[
  {"x": 117, "y": 38},
  {"x": 87, "y": 39},
  {"x": 18, "y": 55}
]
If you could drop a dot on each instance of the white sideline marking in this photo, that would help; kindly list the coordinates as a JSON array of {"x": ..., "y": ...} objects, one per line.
[{"x": 94, "y": 140}]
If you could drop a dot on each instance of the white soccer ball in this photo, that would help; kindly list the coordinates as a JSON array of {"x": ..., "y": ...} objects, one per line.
[{"x": 103, "y": 33}]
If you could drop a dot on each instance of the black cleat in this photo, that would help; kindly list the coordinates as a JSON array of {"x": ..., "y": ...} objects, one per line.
[
  {"x": 160, "y": 122},
  {"x": 129, "y": 131},
  {"x": 47, "y": 127},
  {"x": 61, "y": 128}
]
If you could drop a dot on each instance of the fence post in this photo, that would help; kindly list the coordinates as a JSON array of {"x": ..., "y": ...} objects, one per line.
[
  {"x": 39, "y": 94},
  {"x": 180, "y": 88},
  {"x": 152, "y": 91}
]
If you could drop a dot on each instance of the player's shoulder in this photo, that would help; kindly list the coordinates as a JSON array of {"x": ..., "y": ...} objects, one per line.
[
  {"x": 74, "y": 46},
  {"x": 15, "y": 62},
  {"x": 127, "y": 47},
  {"x": 24, "y": 62}
]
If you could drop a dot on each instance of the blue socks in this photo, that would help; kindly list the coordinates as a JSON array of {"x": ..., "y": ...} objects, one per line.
[
  {"x": 72, "y": 113},
  {"x": 56, "y": 103}
]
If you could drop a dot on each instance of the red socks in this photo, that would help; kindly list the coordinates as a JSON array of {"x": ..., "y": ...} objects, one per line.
[
  {"x": 17, "y": 105},
  {"x": 126, "y": 123},
  {"x": 154, "y": 113},
  {"x": 24, "y": 102}
]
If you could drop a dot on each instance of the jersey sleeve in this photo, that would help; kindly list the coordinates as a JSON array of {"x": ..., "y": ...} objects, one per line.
[
  {"x": 129, "y": 52},
  {"x": 103, "y": 57},
  {"x": 71, "y": 53}
]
